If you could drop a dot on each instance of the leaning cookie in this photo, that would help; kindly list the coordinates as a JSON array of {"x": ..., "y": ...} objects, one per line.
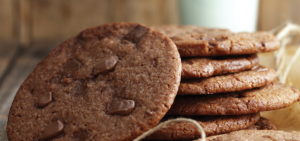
[
  {"x": 111, "y": 82},
  {"x": 212, "y": 125},
  {"x": 256, "y": 135},
  {"x": 257, "y": 77},
  {"x": 200, "y": 41},
  {"x": 209, "y": 66},
  {"x": 271, "y": 97}
]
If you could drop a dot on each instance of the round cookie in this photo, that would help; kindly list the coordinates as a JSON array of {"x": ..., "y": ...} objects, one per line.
[
  {"x": 111, "y": 82},
  {"x": 200, "y": 41},
  {"x": 210, "y": 66},
  {"x": 256, "y": 135},
  {"x": 212, "y": 125},
  {"x": 257, "y": 77},
  {"x": 271, "y": 97},
  {"x": 262, "y": 124}
]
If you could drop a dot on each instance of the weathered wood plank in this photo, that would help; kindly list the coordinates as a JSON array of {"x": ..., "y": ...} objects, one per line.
[
  {"x": 7, "y": 52},
  {"x": 25, "y": 25},
  {"x": 6, "y": 19},
  {"x": 60, "y": 19},
  {"x": 11, "y": 84}
]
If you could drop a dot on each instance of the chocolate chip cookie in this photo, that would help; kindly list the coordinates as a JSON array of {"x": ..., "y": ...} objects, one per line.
[
  {"x": 257, "y": 135},
  {"x": 111, "y": 82},
  {"x": 257, "y": 77},
  {"x": 212, "y": 125},
  {"x": 209, "y": 66},
  {"x": 271, "y": 97},
  {"x": 200, "y": 41}
]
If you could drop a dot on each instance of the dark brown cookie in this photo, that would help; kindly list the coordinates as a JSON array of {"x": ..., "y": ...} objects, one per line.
[
  {"x": 262, "y": 124},
  {"x": 257, "y": 77},
  {"x": 200, "y": 41},
  {"x": 212, "y": 125},
  {"x": 209, "y": 66},
  {"x": 271, "y": 97},
  {"x": 111, "y": 82},
  {"x": 256, "y": 135}
]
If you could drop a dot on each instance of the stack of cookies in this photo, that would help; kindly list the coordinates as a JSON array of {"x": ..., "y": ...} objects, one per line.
[
  {"x": 222, "y": 84},
  {"x": 116, "y": 81}
]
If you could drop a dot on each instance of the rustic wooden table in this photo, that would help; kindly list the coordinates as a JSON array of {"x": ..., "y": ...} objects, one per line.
[{"x": 15, "y": 65}]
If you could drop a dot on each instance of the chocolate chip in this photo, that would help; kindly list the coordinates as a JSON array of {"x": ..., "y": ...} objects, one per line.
[
  {"x": 70, "y": 67},
  {"x": 67, "y": 80},
  {"x": 136, "y": 34},
  {"x": 121, "y": 107},
  {"x": 104, "y": 65},
  {"x": 45, "y": 99},
  {"x": 149, "y": 112},
  {"x": 52, "y": 130},
  {"x": 81, "y": 90},
  {"x": 213, "y": 43}
]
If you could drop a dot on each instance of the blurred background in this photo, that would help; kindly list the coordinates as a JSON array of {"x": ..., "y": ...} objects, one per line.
[
  {"x": 30, "y": 21},
  {"x": 30, "y": 29}
]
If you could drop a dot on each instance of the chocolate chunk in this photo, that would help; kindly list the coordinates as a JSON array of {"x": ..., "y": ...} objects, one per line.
[
  {"x": 52, "y": 130},
  {"x": 70, "y": 67},
  {"x": 121, "y": 107},
  {"x": 104, "y": 65},
  {"x": 67, "y": 80},
  {"x": 45, "y": 99},
  {"x": 136, "y": 34},
  {"x": 149, "y": 112},
  {"x": 81, "y": 90}
]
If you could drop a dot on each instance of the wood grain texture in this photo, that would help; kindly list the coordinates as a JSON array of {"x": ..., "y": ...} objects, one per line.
[
  {"x": 7, "y": 52},
  {"x": 7, "y": 19},
  {"x": 25, "y": 22},
  {"x": 61, "y": 19}
]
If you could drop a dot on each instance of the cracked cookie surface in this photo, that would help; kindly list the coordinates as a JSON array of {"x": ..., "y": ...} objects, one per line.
[
  {"x": 257, "y": 77},
  {"x": 209, "y": 66},
  {"x": 111, "y": 82},
  {"x": 200, "y": 41},
  {"x": 212, "y": 125},
  {"x": 271, "y": 97}
]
